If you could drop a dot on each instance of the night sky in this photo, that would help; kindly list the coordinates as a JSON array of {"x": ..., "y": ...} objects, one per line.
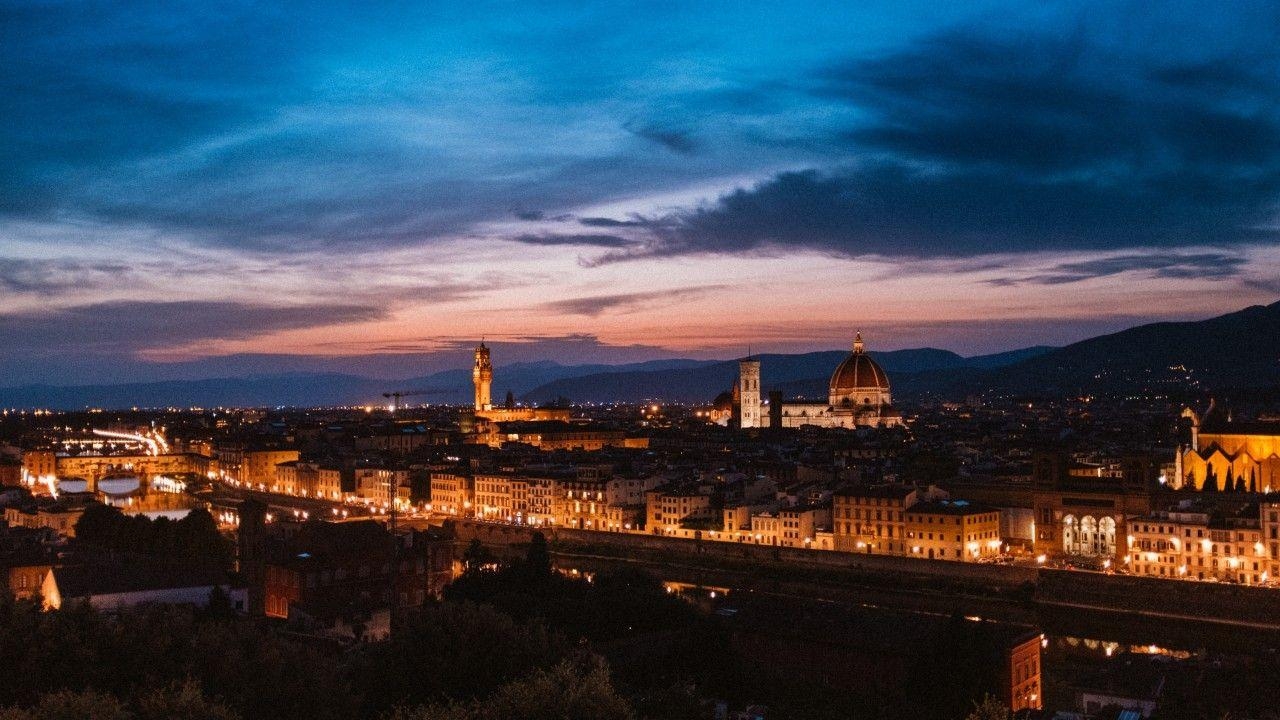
[{"x": 260, "y": 187}]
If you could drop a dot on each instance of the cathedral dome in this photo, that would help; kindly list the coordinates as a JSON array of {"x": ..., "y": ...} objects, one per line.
[
  {"x": 858, "y": 372},
  {"x": 723, "y": 401}
]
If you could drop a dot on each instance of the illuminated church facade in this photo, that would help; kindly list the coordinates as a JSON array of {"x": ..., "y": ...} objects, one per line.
[
  {"x": 858, "y": 396},
  {"x": 1230, "y": 455}
]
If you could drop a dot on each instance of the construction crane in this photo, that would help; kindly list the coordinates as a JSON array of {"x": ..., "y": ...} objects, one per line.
[{"x": 395, "y": 395}]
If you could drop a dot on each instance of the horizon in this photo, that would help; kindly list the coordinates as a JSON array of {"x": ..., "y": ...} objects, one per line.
[
  {"x": 460, "y": 360},
  {"x": 242, "y": 188}
]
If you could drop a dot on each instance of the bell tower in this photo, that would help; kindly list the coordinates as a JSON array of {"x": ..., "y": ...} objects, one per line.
[
  {"x": 482, "y": 378},
  {"x": 749, "y": 392}
]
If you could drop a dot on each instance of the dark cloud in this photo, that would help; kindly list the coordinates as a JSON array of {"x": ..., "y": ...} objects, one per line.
[
  {"x": 595, "y": 240},
  {"x": 612, "y": 222},
  {"x": 596, "y": 305},
  {"x": 1265, "y": 285},
  {"x": 126, "y": 327},
  {"x": 677, "y": 140},
  {"x": 1157, "y": 265},
  {"x": 968, "y": 145},
  {"x": 46, "y": 277},
  {"x": 540, "y": 216},
  {"x": 446, "y": 352}
]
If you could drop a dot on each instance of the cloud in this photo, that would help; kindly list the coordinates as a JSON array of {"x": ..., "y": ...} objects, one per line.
[
  {"x": 242, "y": 126},
  {"x": 128, "y": 327},
  {"x": 1156, "y": 265},
  {"x": 540, "y": 216},
  {"x": 966, "y": 145},
  {"x": 47, "y": 277},
  {"x": 445, "y": 352},
  {"x": 636, "y": 221},
  {"x": 595, "y": 240},
  {"x": 676, "y": 140},
  {"x": 596, "y": 305}
]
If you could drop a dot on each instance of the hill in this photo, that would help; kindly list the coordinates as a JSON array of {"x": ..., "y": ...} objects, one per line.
[
  {"x": 804, "y": 375},
  {"x": 1233, "y": 351},
  {"x": 1237, "y": 351}
]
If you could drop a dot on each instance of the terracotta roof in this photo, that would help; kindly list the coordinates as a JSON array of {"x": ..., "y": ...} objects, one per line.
[{"x": 858, "y": 371}]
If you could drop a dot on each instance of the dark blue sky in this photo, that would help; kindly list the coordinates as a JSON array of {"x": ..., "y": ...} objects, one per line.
[{"x": 250, "y": 186}]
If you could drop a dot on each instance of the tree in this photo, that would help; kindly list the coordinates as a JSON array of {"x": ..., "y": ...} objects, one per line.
[
  {"x": 538, "y": 558},
  {"x": 1239, "y": 483},
  {"x": 990, "y": 709},
  {"x": 451, "y": 652},
  {"x": 70, "y": 705},
  {"x": 181, "y": 701},
  {"x": 193, "y": 538},
  {"x": 98, "y": 525},
  {"x": 219, "y": 604},
  {"x": 476, "y": 556},
  {"x": 1210, "y": 480},
  {"x": 950, "y": 667},
  {"x": 572, "y": 690}
]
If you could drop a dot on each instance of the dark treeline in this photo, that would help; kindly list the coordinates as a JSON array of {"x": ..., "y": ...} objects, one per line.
[
  {"x": 451, "y": 660},
  {"x": 511, "y": 641},
  {"x": 194, "y": 538}
]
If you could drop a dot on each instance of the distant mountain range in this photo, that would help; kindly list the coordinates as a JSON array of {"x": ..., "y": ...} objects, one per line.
[
  {"x": 1238, "y": 350},
  {"x": 309, "y": 389},
  {"x": 795, "y": 375}
]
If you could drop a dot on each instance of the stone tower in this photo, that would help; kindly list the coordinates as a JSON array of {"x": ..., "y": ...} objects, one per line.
[
  {"x": 749, "y": 392},
  {"x": 251, "y": 553},
  {"x": 482, "y": 378}
]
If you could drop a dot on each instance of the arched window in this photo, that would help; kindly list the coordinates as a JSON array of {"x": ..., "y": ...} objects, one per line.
[
  {"x": 1070, "y": 535},
  {"x": 1088, "y": 535},
  {"x": 1107, "y": 536}
]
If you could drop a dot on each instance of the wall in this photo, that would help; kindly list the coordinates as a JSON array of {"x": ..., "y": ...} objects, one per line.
[
  {"x": 1175, "y": 599},
  {"x": 497, "y": 536},
  {"x": 1152, "y": 596}
]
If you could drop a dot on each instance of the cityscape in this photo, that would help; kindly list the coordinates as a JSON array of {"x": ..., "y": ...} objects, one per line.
[{"x": 578, "y": 362}]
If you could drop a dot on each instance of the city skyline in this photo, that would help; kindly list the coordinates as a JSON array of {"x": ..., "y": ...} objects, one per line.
[
  {"x": 666, "y": 360},
  {"x": 248, "y": 189}
]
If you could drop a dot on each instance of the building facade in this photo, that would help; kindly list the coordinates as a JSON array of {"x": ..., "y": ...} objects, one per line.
[
  {"x": 1079, "y": 518},
  {"x": 953, "y": 530},
  {"x": 1192, "y": 545},
  {"x": 1230, "y": 455},
  {"x": 452, "y": 494},
  {"x": 872, "y": 519}
]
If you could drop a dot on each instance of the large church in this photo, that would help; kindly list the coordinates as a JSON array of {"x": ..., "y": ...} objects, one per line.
[
  {"x": 858, "y": 396},
  {"x": 1229, "y": 455}
]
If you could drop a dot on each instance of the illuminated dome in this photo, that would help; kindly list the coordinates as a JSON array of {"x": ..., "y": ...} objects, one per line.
[{"x": 858, "y": 372}]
